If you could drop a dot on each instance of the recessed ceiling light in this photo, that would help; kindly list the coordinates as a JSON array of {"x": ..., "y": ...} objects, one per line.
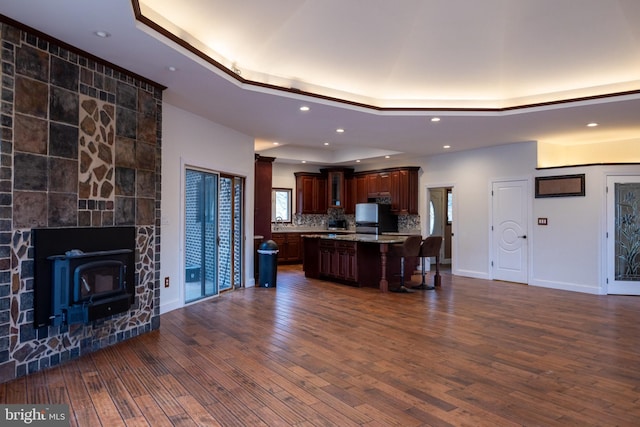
[
  {"x": 387, "y": 157},
  {"x": 592, "y": 125},
  {"x": 304, "y": 161},
  {"x": 171, "y": 68},
  {"x": 276, "y": 143},
  {"x": 358, "y": 161},
  {"x": 304, "y": 108},
  {"x": 446, "y": 147},
  {"x": 326, "y": 143},
  {"x": 435, "y": 119},
  {"x": 340, "y": 130},
  {"x": 102, "y": 34}
]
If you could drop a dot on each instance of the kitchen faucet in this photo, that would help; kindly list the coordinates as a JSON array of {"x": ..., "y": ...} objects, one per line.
[{"x": 280, "y": 221}]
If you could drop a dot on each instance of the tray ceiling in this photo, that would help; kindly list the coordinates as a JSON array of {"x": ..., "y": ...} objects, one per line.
[{"x": 494, "y": 71}]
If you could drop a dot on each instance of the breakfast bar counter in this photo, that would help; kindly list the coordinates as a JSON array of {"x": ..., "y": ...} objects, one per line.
[{"x": 353, "y": 259}]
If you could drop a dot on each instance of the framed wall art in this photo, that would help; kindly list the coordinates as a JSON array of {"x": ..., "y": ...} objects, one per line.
[{"x": 560, "y": 186}]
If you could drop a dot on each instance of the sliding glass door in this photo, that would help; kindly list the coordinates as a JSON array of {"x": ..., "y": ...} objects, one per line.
[
  {"x": 201, "y": 234},
  {"x": 230, "y": 202},
  {"x": 238, "y": 220},
  {"x": 213, "y": 233}
]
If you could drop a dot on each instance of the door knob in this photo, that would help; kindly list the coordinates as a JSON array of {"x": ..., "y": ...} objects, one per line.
[{"x": 523, "y": 237}]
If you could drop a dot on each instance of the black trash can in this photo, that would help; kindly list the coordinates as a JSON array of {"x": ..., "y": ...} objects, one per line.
[{"x": 267, "y": 264}]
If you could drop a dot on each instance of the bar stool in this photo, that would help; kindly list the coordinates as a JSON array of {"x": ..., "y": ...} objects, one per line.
[
  {"x": 410, "y": 248},
  {"x": 430, "y": 247}
]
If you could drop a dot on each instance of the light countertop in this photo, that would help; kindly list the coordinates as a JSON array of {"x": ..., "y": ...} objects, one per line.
[
  {"x": 403, "y": 233},
  {"x": 310, "y": 230},
  {"x": 355, "y": 237}
]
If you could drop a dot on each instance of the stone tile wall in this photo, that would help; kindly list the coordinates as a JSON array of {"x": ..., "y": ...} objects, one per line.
[{"x": 80, "y": 147}]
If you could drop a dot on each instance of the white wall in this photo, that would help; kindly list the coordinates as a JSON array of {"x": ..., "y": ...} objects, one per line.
[
  {"x": 188, "y": 139},
  {"x": 568, "y": 253},
  {"x": 471, "y": 174},
  {"x": 282, "y": 177}
]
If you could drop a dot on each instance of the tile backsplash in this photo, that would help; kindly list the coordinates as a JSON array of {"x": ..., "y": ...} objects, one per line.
[{"x": 405, "y": 222}]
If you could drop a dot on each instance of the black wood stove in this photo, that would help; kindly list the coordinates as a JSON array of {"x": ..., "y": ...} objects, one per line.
[{"x": 82, "y": 274}]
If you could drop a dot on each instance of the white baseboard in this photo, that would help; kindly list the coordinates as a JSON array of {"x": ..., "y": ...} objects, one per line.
[
  {"x": 471, "y": 273},
  {"x": 566, "y": 286}
]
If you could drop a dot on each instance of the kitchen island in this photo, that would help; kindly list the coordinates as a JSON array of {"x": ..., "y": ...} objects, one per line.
[{"x": 354, "y": 259}]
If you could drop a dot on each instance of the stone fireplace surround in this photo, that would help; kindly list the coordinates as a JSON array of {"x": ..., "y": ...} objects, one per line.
[{"x": 80, "y": 147}]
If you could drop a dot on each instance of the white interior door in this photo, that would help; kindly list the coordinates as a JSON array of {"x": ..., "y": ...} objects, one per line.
[
  {"x": 623, "y": 235},
  {"x": 509, "y": 230}
]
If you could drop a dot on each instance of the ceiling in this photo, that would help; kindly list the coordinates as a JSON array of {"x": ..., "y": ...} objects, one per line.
[{"x": 493, "y": 71}]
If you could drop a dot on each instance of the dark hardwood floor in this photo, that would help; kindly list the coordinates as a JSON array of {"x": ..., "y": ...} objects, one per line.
[{"x": 313, "y": 353}]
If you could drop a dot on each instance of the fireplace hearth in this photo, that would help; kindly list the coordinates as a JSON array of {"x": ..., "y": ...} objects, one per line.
[{"x": 82, "y": 274}]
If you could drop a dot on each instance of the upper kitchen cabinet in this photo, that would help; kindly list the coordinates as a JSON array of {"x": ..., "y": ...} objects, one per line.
[
  {"x": 399, "y": 184},
  {"x": 337, "y": 188},
  {"x": 311, "y": 193},
  {"x": 361, "y": 189},
  {"x": 342, "y": 188},
  {"x": 350, "y": 195},
  {"x": 378, "y": 184},
  {"x": 404, "y": 190}
]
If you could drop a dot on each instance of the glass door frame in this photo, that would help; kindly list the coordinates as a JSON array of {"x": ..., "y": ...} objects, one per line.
[
  {"x": 236, "y": 239},
  {"x": 238, "y": 255},
  {"x": 613, "y": 284},
  {"x": 212, "y": 212}
]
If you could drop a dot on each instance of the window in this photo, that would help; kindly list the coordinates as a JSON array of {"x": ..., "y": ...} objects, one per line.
[
  {"x": 449, "y": 207},
  {"x": 281, "y": 204}
]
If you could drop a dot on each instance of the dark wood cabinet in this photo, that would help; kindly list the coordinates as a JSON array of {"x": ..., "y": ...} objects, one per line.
[
  {"x": 351, "y": 262},
  {"x": 294, "y": 248},
  {"x": 404, "y": 191},
  {"x": 395, "y": 189},
  {"x": 325, "y": 253},
  {"x": 339, "y": 192},
  {"x": 311, "y": 257},
  {"x": 289, "y": 247},
  {"x": 378, "y": 184},
  {"x": 400, "y": 184},
  {"x": 262, "y": 196},
  {"x": 336, "y": 189},
  {"x": 347, "y": 261},
  {"x": 338, "y": 260},
  {"x": 362, "y": 193},
  {"x": 372, "y": 184},
  {"x": 350, "y": 195},
  {"x": 311, "y": 193},
  {"x": 280, "y": 240},
  {"x": 340, "y": 187}
]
